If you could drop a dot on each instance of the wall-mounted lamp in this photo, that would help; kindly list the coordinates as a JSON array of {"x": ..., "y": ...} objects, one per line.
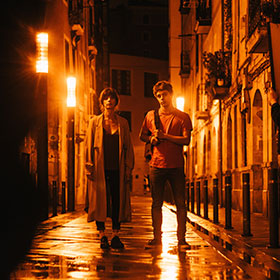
[
  {"x": 42, "y": 65},
  {"x": 71, "y": 92},
  {"x": 180, "y": 103}
]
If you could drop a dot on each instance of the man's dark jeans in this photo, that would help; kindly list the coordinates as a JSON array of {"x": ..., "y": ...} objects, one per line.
[{"x": 176, "y": 178}]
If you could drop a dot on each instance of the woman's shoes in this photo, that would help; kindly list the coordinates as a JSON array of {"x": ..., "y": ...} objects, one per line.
[
  {"x": 104, "y": 243},
  {"x": 115, "y": 243}
]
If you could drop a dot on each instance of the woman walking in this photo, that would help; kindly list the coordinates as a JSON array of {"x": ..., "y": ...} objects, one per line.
[{"x": 109, "y": 163}]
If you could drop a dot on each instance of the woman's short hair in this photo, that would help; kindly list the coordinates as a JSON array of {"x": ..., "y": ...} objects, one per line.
[
  {"x": 108, "y": 92},
  {"x": 162, "y": 85}
]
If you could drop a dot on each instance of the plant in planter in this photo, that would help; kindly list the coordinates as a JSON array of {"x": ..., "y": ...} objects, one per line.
[{"x": 218, "y": 68}]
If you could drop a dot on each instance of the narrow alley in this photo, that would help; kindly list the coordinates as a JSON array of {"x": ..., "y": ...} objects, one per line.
[{"x": 67, "y": 247}]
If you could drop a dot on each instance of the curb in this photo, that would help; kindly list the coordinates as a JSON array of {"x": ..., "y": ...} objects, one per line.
[{"x": 255, "y": 262}]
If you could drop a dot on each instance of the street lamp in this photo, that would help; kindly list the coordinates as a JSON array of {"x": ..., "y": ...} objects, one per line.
[
  {"x": 71, "y": 104},
  {"x": 71, "y": 92},
  {"x": 42, "y": 130},
  {"x": 42, "y": 40},
  {"x": 180, "y": 103}
]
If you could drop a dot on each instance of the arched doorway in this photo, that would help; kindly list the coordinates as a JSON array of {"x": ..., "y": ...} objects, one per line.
[{"x": 257, "y": 152}]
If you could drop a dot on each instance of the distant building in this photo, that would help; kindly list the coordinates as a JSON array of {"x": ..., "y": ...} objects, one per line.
[
  {"x": 134, "y": 77},
  {"x": 138, "y": 44},
  {"x": 139, "y": 28},
  {"x": 75, "y": 30}
]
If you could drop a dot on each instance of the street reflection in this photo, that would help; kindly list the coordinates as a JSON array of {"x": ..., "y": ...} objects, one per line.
[{"x": 71, "y": 251}]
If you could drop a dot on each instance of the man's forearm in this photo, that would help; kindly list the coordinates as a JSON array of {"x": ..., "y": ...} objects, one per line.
[
  {"x": 145, "y": 137},
  {"x": 179, "y": 140}
]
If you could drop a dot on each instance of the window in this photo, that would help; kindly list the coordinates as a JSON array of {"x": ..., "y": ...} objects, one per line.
[
  {"x": 121, "y": 81},
  {"x": 150, "y": 80},
  {"x": 146, "y": 36},
  {"x": 67, "y": 58},
  {"x": 146, "y": 19},
  {"x": 127, "y": 116},
  {"x": 147, "y": 52}
]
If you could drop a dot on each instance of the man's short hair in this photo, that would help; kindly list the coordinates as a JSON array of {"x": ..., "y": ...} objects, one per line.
[
  {"x": 108, "y": 92},
  {"x": 162, "y": 85}
]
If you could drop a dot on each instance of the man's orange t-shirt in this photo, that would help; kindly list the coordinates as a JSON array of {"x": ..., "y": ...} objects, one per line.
[{"x": 168, "y": 154}]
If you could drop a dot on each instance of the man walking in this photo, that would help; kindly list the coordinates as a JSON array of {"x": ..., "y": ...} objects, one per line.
[{"x": 168, "y": 137}]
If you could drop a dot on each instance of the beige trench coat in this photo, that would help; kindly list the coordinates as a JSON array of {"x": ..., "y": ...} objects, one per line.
[{"x": 96, "y": 197}]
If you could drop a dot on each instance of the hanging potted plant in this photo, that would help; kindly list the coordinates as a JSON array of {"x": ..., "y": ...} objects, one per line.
[{"x": 218, "y": 76}]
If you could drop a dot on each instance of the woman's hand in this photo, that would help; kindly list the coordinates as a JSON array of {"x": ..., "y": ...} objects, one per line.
[
  {"x": 127, "y": 175},
  {"x": 89, "y": 167},
  {"x": 90, "y": 171},
  {"x": 90, "y": 176}
]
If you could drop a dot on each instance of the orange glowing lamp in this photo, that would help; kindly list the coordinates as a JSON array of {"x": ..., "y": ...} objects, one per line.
[
  {"x": 180, "y": 103},
  {"x": 42, "y": 65},
  {"x": 71, "y": 92}
]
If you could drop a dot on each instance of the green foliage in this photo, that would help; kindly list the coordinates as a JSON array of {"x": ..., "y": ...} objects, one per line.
[{"x": 218, "y": 67}]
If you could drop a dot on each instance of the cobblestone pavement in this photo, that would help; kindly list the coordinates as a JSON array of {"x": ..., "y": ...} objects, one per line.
[{"x": 70, "y": 249}]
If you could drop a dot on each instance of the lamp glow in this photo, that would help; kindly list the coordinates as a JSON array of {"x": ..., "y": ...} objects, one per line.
[
  {"x": 71, "y": 92},
  {"x": 42, "y": 65},
  {"x": 180, "y": 103}
]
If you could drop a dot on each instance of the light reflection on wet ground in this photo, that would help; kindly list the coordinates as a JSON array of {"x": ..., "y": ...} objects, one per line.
[{"x": 71, "y": 251}]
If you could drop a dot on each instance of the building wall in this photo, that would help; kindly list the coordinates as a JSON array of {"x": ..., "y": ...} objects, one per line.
[
  {"x": 139, "y": 28},
  {"x": 71, "y": 52},
  {"x": 246, "y": 137},
  {"x": 69, "y": 55},
  {"x": 138, "y": 104}
]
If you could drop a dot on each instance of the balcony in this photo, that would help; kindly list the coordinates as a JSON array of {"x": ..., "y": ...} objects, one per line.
[
  {"x": 257, "y": 28},
  {"x": 202, "y": 115},
  {"x": 203, "y": 17},
  {"x": 258, "y": 41},
  {"x": 217, "y": 88},
  {"x": 218, "y": 74}
]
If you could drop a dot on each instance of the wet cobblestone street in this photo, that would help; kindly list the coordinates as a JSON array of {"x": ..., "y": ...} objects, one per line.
[{"x": 70, "y": 249}]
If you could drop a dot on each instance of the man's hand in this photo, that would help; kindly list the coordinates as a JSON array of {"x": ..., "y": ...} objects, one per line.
[
  {"x": 159, "y": 134},
  {"x": 154, "y": 140},
  {"x": 272, "y": 96}
]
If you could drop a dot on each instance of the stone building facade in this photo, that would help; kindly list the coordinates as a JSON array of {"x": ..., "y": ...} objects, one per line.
[{"x": 221, "y": 64}]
